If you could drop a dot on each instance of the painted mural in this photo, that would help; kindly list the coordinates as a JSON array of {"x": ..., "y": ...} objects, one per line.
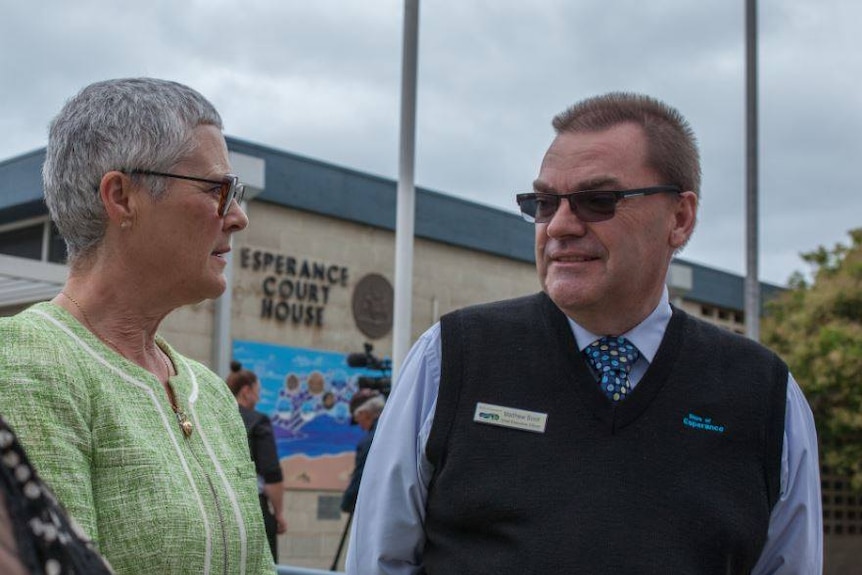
[{"x": 306, "y": 393}]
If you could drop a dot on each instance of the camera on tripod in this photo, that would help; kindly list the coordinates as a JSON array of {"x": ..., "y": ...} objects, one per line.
[{"x": 366, "y": 359}]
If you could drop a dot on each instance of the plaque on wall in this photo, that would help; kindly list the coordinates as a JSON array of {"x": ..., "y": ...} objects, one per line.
[
  {"x": 373, "y": 300},
  {"x": 328, "y": 507}
]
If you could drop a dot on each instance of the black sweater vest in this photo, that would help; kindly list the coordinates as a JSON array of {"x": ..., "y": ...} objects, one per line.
[{"x": 679, "y": 478}]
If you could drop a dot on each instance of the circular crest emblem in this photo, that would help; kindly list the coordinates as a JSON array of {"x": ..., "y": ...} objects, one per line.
[{"x": 373, "y": 300}]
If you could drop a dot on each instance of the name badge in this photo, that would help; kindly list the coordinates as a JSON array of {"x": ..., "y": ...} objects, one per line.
[{"x": 510, "y": 417}]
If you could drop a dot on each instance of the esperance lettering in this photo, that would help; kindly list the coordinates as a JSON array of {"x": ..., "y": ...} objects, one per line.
[
  {"x": 697, "y": 422},
  {"x": 282, "y": 265}
]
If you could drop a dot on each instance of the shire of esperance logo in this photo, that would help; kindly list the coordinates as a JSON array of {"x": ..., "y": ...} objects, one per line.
[{"x": 703, "y": 423}]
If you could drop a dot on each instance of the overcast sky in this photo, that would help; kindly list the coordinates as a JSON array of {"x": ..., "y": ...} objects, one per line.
[{"x": 322, "y": 79}]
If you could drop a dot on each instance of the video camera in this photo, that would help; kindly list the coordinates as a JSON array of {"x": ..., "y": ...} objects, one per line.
[{"x": 381, "y": 383}]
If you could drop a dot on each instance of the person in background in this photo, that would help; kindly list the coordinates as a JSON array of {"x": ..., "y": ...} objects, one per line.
[
  {"x": 143, "y": 446},
  {"x": 365, "y": 409},
  {"x": 37, "y": 537},
  {"x": 593, "y": 427},
  {"x": 245, "y": 387}
]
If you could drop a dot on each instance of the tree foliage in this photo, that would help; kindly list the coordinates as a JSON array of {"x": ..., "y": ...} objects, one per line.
[{"x": 816, "y": 327}]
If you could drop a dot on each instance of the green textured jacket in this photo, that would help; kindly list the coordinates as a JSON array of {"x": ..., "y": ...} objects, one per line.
[{"x": 101, "y": 432}]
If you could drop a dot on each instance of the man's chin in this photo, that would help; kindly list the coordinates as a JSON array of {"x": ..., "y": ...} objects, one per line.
[{"x": 568, "y": 295}]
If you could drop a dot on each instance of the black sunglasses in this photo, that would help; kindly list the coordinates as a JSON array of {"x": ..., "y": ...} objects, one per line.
[
  {"x": 229, "y": 187},
  {"x": 588, "y": 205}
]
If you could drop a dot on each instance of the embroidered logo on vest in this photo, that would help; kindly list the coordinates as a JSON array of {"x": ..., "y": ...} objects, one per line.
[{"x": 702, "y": 423}]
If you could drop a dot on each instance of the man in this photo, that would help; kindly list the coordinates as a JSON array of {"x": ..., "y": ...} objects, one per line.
[
  {"x": 365, "y": 409},
  {"x": 515, "y": 444},
  {"x": 245, "y": 386}
]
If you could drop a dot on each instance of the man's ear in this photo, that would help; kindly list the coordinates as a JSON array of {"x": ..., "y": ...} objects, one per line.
[
  {"x": 685, "y": 216},
  {"x": 119, "y": 198}
]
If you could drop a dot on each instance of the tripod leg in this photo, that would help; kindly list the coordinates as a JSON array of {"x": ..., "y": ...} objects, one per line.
[{"x": 341, "y": 543}]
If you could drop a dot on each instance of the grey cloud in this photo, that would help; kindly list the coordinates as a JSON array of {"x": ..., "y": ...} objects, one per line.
[{"x": 322, "y": 79}]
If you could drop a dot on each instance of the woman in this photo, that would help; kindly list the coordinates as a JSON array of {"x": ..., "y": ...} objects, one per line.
[
  {"x": 245, "y": 387},
  {"x": 144, "y": 447}
]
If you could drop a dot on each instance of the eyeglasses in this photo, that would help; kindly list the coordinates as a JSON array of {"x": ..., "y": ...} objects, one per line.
[
  {"x": 588, "y": 205},
  {"x": 229, "y": 188}
]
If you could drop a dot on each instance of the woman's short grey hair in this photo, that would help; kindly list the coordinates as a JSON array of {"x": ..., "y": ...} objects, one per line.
[{"x": 125, "y": 124}]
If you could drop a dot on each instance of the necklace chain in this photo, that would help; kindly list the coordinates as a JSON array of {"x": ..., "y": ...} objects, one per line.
[
  {"x": 89, "y": 323},
  {"x": 182, "y": 418}
]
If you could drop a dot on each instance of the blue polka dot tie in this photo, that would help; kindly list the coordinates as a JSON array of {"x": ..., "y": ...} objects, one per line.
[{"x": 613, "y": 359}]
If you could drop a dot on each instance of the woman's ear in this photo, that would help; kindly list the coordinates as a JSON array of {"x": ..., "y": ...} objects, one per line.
[{"x": 119, "y": 198}]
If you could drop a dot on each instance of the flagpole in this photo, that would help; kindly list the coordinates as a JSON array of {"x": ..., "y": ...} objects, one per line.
[
  {"x": 406, "y": 195},
  {"x": 752, "y": 283}
]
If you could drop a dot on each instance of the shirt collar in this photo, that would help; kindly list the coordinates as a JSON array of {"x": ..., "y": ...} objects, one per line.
[{"x": 646, "y": 336}]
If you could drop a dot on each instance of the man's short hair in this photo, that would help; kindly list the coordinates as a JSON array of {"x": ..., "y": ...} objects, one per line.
[
  {"x": 367, "y": 401},
  {"x": 671, "y": 144}
]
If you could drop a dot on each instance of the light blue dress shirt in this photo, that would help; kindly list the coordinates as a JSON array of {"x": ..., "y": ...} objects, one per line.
[{"x": 387, "y": 536}]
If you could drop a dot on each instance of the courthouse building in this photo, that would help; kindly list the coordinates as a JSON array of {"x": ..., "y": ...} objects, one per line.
[{"x": 310, "y": 281}]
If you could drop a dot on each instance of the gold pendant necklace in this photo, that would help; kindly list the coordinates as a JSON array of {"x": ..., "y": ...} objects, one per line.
[{"x": 185, "y": 424}]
